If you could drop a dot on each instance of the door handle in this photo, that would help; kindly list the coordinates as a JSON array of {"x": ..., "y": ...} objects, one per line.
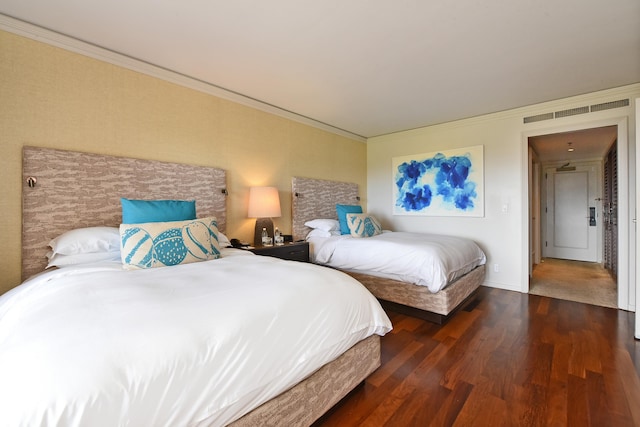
[{"x": 592, "y": 217}]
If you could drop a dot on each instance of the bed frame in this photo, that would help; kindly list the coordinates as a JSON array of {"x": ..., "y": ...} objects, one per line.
[
  {"x": 64, "y": 190},
  {"x": 317, "y": 198}
]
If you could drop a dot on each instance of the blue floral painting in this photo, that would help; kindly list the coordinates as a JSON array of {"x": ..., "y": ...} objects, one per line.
[{"x": 440, "y": 183}]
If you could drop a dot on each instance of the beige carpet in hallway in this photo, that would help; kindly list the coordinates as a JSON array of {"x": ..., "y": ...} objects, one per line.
[{"x": 578, "y": 281}]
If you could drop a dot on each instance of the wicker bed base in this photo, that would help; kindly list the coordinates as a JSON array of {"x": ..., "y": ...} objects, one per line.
[
  {"x": 418, "y": 300},
  {"x": 310, "y": 399}
]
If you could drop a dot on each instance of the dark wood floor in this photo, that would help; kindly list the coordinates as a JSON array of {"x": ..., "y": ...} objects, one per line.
[{"x": 510, "y": 359}]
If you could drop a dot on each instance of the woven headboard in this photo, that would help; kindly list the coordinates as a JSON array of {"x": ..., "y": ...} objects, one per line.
[
  {"x": 317, "y": 198},
  {"x": 73, "y": 190}
]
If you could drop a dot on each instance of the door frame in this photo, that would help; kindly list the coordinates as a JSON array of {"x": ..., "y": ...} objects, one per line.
[
  {"x": 635, "y": 222},
  {"x": 624, "y": 283},
  {"x": 535, "y": 211}
]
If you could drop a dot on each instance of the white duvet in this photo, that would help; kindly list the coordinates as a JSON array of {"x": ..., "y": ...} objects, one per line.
[
  {"x": 195, "y": 344},
  {"x": 429, "y": 260}
]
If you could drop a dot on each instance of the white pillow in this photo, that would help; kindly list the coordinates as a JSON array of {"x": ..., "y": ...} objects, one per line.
[
  {"x": 316, "y": 232},
  {"x": 60, "y": 260},
  {"x": 87, "y": 240},
  {"x": 223, "y": 240},
  {"x": 323, "y": 224}
]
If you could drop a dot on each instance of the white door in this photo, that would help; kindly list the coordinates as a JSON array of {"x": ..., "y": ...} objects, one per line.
[{"x": 572, "y": 219}]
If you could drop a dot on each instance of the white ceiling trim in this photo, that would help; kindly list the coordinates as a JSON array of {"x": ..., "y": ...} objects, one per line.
[{"x": 53, "y": 38}]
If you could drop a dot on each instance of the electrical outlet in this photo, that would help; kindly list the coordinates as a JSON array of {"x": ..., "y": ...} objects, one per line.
[{"x": 496, "y": 268}]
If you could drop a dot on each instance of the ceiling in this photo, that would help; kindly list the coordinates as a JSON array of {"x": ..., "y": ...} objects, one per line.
[
  {"x": 368, "y": 67},
  {"x": 587, "y": 144}
]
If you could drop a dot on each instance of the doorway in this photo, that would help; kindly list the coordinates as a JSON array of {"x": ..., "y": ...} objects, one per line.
[{"x": 570, "y": 218}]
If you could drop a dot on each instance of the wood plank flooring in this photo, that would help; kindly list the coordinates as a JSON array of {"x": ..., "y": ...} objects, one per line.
[{"x": 509, "y": 359}]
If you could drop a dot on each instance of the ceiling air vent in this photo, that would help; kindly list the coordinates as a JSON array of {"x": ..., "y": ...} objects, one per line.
[
  {"x": 538, "y": 118},
  {"x": 610, "y": 105},
  {"x": 579, "y": 110},
  {"x": 572, "y": 112}
]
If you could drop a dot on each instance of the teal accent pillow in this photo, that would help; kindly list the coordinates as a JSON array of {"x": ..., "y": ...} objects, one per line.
[
  {"x": 342, "y": 211},
  {"x": 363, "y": 225},
  {"x": 143, "y": 211},
  {"x": 159, "y": 244}
]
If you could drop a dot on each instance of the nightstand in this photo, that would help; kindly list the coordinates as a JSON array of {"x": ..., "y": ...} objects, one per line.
[{"x": 297, "y": 251}]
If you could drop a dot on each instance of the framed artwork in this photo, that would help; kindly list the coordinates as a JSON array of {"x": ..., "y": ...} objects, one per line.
[{"x": 442, "y": 183}]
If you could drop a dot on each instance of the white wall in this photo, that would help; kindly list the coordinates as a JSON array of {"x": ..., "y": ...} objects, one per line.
[{"x": 503, "y": 236}]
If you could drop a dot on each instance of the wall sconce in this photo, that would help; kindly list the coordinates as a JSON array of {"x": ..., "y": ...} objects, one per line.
[{"x": 264, "y": 204}]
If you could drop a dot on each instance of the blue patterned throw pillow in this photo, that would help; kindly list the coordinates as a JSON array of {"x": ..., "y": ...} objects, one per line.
[
  {"x": 363, "y": 225},
  {"x": 159, "y": 244}
]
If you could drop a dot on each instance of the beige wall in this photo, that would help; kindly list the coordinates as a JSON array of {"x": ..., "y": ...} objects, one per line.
[{"x": 50, "y": 97}]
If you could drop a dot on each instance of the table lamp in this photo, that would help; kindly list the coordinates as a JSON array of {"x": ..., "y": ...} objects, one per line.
[{"x": 264, "y": 204}]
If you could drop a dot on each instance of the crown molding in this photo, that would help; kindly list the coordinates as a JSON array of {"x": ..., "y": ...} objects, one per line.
[{"x": 34, "y": 32}]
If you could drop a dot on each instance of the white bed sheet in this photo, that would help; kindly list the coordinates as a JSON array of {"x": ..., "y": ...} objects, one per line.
[
  {"x": 195, "y": 344},
  {"x": 429, "y": 260}
]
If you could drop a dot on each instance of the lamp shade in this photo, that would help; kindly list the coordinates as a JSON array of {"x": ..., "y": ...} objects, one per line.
[{"x": 264, "y": 202}]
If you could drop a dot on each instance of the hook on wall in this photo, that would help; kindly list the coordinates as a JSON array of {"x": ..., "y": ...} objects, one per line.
[
  {"x": 32, "y": 181},
  {"x": 224, "y": 191}
]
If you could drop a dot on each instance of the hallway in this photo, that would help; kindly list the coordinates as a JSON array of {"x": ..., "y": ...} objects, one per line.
[{"x": 578, "y": 281}]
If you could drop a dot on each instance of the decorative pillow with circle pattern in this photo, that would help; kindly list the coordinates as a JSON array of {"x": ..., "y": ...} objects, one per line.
[{"x": 160, "y": 244}]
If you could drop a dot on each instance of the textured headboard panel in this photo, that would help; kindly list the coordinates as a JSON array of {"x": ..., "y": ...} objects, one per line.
[
  {"x": 317, "y": 198},
  {"x": 76, "y": 189}
]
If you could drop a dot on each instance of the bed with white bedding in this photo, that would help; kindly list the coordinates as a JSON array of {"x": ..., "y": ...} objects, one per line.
[
  {"x": 426, "y": 275},
  {"x": 430, "y": 260},
  {"x": 227, "y": 341},
  {"x": 194, "y": 344}
]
